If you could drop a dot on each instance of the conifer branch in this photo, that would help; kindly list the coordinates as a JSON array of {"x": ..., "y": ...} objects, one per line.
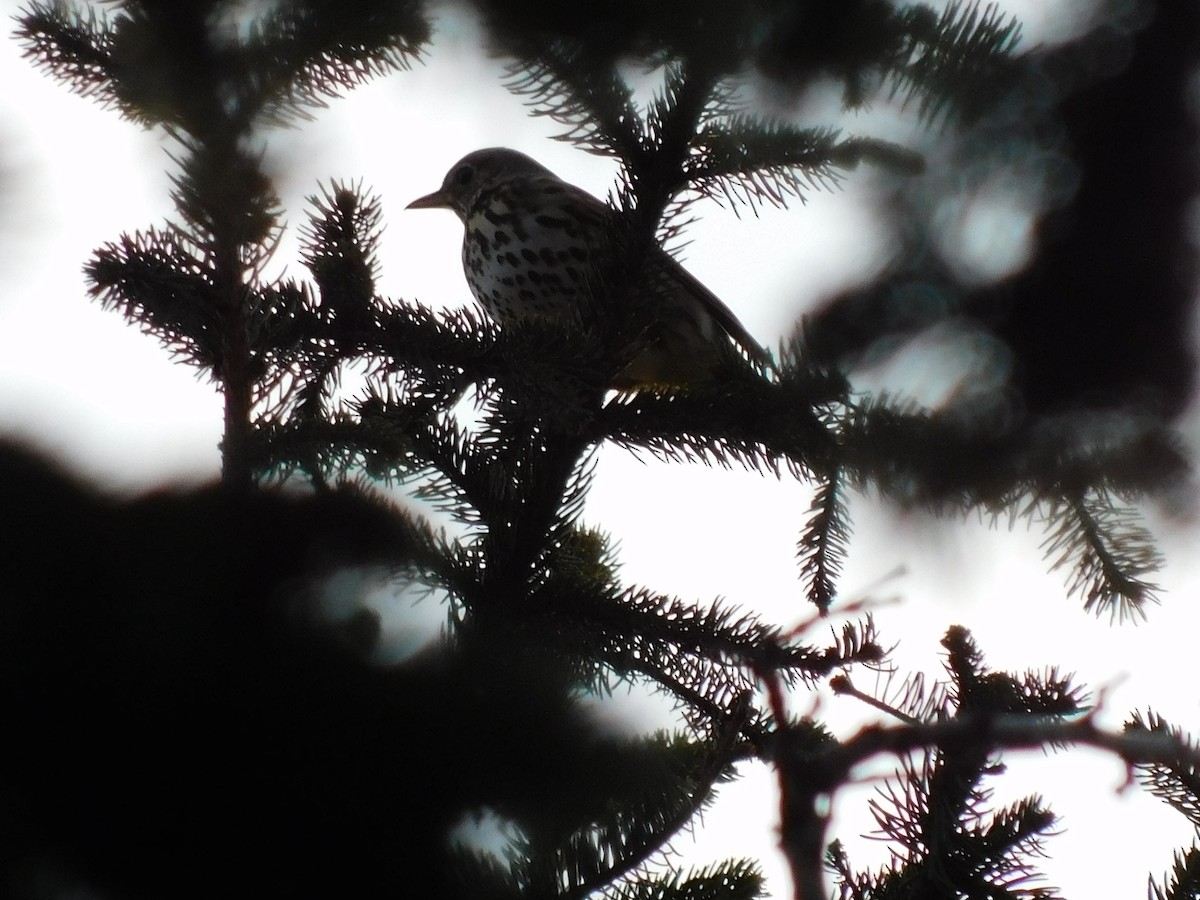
[
  {"x": 340, "y": 246},
  {"x": 159, "y": 280},
  {"x": 957, "y": 59},
  {"x": 625, "y": 838},
  {"x": 1176, "y": 783},
  {"x": 742, "y": 161},
  {"x": 582, "y": 94},
  {"x": 978, "y": 734},
  {"x": 822, "y": 545},
  {"x": 1183, "y": 881},
  {"x": 771, "y": 428},
  {"x": 1109, "y": 551},
  {"x": 1010, "y": 731},
  {"x": 306, "y": 54},
  {"x": 983, "y": 712},
  {"x": 732, "y": 880},
  {"x": 75, "y": 49}
]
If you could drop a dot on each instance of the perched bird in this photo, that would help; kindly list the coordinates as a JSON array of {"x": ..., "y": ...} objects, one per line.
[{"x": 535, "y": 248}]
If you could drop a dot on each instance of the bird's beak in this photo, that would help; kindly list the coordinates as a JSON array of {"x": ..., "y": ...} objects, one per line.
[{"x": 436, "y": 200}]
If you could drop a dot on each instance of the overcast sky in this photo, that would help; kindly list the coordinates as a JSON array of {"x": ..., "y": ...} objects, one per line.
[{"x": 80, "y": 383}]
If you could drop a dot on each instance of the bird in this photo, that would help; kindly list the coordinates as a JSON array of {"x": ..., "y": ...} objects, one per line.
[{"x": 536, "y": 247}]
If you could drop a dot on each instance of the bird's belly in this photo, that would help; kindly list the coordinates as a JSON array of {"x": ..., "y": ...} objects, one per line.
[{"x": 518, "y": 268}]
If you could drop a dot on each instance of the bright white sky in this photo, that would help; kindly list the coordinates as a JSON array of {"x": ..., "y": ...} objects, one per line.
[{"x": 80, "y": 383}]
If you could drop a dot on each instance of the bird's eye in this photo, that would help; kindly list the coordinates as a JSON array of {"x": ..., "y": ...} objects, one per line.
[{"x": 464, "y": 174}]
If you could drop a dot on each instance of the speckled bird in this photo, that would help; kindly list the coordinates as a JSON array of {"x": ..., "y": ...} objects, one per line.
[{"x": 531, "y": 248}]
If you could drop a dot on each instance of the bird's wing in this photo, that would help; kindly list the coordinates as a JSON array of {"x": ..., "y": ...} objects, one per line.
[
  {"x": 598, "y": 215},
  {"x": 715, "y": 307}
]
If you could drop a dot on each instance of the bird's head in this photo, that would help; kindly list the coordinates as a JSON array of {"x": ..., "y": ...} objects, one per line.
[{"x": 475, "y": 173}]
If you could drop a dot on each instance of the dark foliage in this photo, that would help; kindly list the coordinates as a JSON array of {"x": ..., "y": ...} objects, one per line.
[
  {"x": 186, "y": 714},
  {"x": 183, "y": 716},
  {"x": 1098, "y": 319}
]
